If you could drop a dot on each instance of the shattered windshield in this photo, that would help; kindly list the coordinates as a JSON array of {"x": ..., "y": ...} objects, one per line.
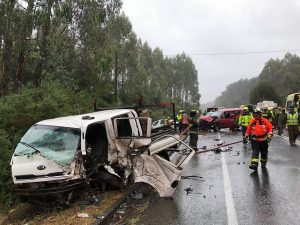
[
  {"x": 216, "y": 114},
  {"x": 55, "y": 143}
]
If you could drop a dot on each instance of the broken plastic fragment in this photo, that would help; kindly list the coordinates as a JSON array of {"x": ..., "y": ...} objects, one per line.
[{"x": 83, "y": 215}]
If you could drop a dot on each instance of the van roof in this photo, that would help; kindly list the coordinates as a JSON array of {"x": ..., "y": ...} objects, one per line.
[{"x": 77, "y": 121}]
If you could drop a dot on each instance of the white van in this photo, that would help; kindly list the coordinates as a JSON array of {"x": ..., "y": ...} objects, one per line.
[
  {"x": 57, "y": 158},
  {"x": 291, "y": 100}
]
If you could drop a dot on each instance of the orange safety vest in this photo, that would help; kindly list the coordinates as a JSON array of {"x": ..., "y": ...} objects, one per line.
[
  {"x": 259, "y": 129},
  {"x": 185, "y": 118}
]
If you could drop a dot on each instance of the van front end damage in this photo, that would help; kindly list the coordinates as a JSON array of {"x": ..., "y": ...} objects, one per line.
[
  {"x": 162, "y": 166},
  {"x": 40, "y": 181},
  {"x": 49, "y": 193}
]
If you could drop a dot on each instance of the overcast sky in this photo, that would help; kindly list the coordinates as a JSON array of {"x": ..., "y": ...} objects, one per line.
[{"x": 199, "y": 27}]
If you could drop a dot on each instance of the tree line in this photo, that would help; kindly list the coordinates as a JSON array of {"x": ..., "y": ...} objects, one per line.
[
  {"x": 278, "y": 78},
  {"x": 88, "y": 45},
  {"x": 58, "y": 55}
]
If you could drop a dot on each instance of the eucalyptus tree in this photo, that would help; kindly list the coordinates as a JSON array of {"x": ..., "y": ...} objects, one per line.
[{"x": 7, "y": 15}]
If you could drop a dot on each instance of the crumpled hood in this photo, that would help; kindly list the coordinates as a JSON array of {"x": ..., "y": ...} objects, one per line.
[
  {"x": 35, "y": 168},
  {"x": 207, "y": 118}
]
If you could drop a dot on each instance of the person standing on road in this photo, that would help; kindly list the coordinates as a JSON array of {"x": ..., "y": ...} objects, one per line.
[
  {"x": 185, "y": 120},
  {"x": 194, "y": 129},
  {"x": 260, "y": 132},
  {"x": 281, "y": 121},
  {"x": 244, "y": 120},
  {"x": 179, "y": 119},
  {"x": 293, "y": 121}
]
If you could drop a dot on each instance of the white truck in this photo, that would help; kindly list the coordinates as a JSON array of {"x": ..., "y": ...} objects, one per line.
[
  {"x": 57, "y": 158},
  {"x": 266, "y": 104}
]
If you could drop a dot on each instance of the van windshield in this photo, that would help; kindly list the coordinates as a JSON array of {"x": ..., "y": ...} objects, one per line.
[
  {"x": 216, "y": 114},
  {"x": 55, "y": 143}
]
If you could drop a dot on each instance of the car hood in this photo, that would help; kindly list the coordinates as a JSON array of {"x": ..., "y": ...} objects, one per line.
[
  {"x": 207, "y": 118},
  {"x": 36, "y": 168}
]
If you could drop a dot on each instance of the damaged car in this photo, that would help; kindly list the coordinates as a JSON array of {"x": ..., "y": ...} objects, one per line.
[{"x": 58, "y": 158}]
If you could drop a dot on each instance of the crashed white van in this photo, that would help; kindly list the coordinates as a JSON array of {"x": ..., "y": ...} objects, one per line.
[{"x": 57, "y": 158}]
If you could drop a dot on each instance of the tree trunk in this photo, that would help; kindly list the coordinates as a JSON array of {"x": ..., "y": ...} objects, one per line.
[
  {"x": 116, "y": 77},
  {"x": 25, "y": 33},
  {"x": 7, "y": 46},
  {"x": 43, "y": 45},
  {"x": 6, "y": 62}
]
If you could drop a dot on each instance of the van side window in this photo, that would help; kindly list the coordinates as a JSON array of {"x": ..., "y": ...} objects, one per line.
[{"x": 96, "y": 139}]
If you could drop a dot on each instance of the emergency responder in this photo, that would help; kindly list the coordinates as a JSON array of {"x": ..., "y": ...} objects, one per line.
[
  {"x": 260, "y": 132},
  {"x": 244, "y": 120},
  {"x": 185, "y": 120},
  {"x": 194, "y": 129},
  {"x": 281, "y": 121},
  {"x": 179, "y": 119},
  {"x": 270, "y": 115},
  {"x": 293, "y": 121}
]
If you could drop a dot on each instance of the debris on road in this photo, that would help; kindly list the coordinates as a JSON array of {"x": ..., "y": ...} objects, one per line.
[
  {"x": 188, "y": 190},
  {"x": 83, "y": 215},
  {"x": 193, "y": 177}
]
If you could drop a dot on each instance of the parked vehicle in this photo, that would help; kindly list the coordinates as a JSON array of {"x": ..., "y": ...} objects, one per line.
[
  {"x": 266, "y": 105},
  {"x": 57, "y": 158},
  {"x": 223, "y": 118},
  {"x": 158, "y": 124}
]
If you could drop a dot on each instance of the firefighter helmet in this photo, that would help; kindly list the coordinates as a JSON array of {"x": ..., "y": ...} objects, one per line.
[{"x": 257, "y": 111}]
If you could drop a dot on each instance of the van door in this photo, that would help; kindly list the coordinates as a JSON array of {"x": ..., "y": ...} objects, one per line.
[
  {"x": 161, "y": 166},
  {"x": 130, "y": 136}
]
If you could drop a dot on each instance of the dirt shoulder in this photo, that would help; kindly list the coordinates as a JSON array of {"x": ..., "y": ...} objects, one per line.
[{"x": 29, "y": 214}]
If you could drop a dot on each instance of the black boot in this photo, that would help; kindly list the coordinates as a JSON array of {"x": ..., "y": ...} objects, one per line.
[
  {"x": 253, "y": 167},
  {"x": 263, "y": 165}
]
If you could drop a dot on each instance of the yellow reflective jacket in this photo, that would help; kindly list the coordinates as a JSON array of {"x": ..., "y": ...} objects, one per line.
[
  {"x": 244, "y": 120},
  {"x": 292, "y": 119}
]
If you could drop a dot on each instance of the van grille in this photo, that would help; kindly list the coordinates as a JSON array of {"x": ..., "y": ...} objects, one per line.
[{"x": 31, "y": 176}]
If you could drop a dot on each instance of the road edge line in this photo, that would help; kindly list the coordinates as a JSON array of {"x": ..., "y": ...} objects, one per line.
[{"x": 230, "y": 208}]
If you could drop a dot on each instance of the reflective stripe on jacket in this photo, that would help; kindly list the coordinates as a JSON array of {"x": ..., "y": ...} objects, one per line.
[
  {"x": 244, "y": 120},
  {"x": 259, "y": 129},
  {"x": 292, "y": 119}
]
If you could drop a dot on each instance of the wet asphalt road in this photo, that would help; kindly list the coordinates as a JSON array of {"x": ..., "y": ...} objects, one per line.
[{"x": 270, "y": 196}]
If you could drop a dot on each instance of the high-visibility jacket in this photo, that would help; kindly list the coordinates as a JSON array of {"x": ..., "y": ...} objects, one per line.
[
  {"x": 259, "y": 129},
  {"x": 292, "y": 119},
  {"x": 271, "y": 116},
  {"x": 185, "y": 118},
  {"x": 245, "y": 119},
  {"x": 265, "y": 115},
  {"x": 179, "y": 117}
]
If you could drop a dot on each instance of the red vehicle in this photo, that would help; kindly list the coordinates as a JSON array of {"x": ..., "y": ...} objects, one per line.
[{"x": 223, "y": 118}]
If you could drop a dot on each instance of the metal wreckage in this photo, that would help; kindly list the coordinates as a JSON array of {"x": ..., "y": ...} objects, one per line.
[{"x": 59, "y": 158}]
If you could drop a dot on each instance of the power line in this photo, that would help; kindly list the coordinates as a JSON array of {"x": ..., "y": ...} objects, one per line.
[{"x": 244, "y": 53}]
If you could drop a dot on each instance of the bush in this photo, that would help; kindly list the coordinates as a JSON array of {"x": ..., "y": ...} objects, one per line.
[
  {"x": 20, "y": 111},
  {"x": 5, "y": 175}
]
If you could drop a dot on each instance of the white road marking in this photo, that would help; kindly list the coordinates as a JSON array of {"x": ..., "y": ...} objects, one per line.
[
  {"x": 286, "y": 138},
  {"x": 231, "y": 214}
]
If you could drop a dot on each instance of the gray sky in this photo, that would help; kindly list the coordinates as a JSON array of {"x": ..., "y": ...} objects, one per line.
[{"x": 218, "y": 26}]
